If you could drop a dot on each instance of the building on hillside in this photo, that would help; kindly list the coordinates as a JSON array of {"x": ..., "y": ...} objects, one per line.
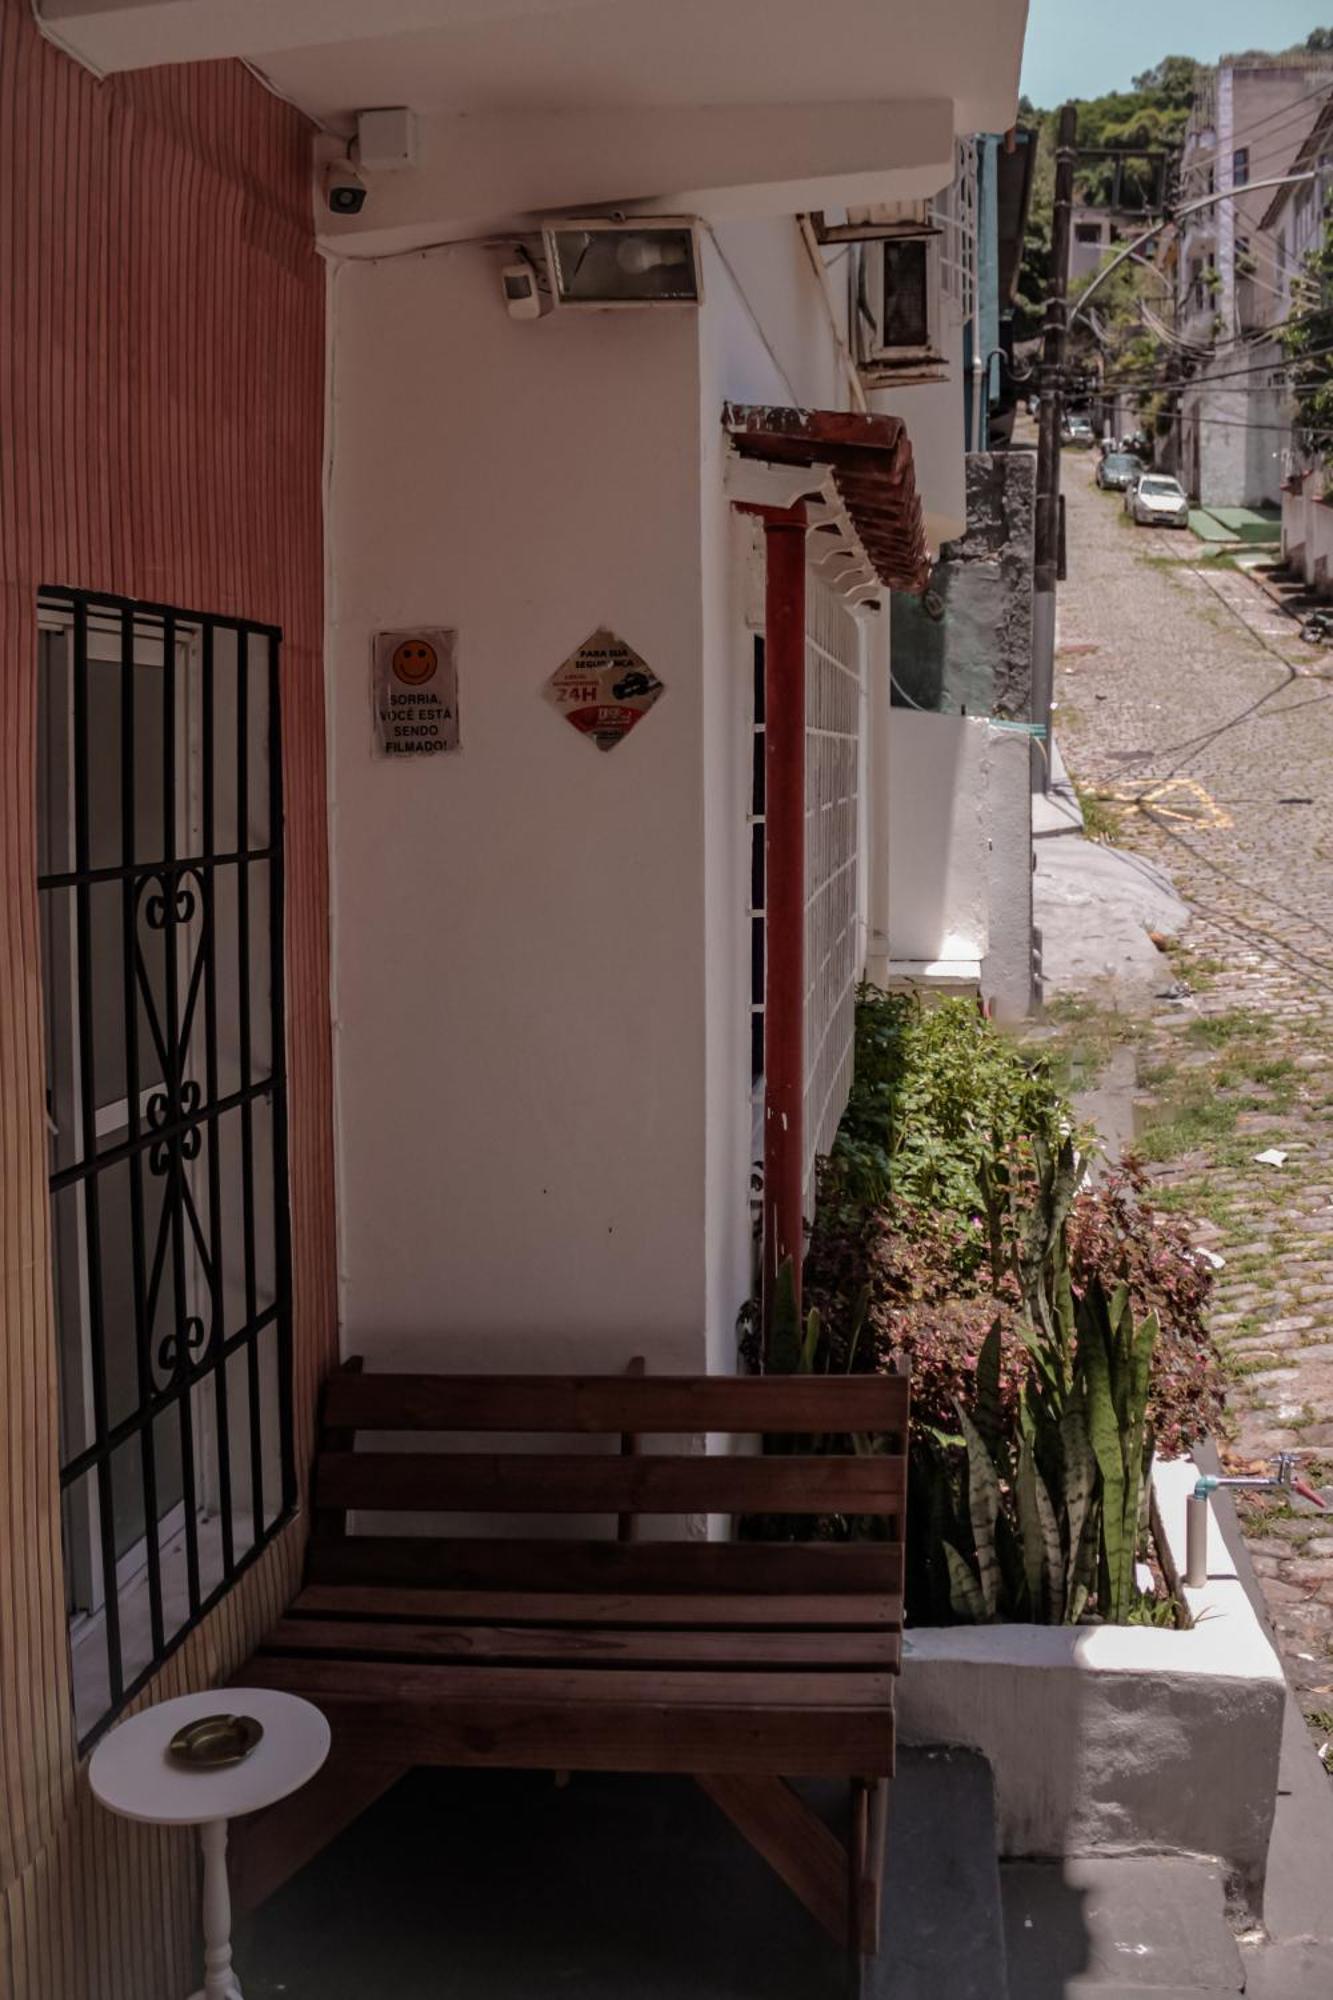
[
  {"x": 447, "y": 750},
  {"x": 1095, "y": 231},
  {"x": 1294, "y": 227},
  {"x": 1250, "y": 115}
]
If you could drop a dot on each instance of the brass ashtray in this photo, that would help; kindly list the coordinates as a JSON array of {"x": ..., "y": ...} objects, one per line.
[{"x": 214, "y": 1741}]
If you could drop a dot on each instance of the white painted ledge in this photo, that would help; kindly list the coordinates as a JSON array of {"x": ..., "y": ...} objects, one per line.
[
  {"x": 1117, "y": 1739},
  {"x": 936, "y": 971}
]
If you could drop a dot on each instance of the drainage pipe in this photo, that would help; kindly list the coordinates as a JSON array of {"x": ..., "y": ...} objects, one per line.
[{"x": 1196, "y": 1539}]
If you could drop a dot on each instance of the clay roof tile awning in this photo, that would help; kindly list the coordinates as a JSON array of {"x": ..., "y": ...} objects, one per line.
[{"x": 870, "y": 458}]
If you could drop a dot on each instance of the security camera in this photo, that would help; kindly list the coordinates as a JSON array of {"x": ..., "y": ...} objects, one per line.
[{"x": 344, "y": 190}]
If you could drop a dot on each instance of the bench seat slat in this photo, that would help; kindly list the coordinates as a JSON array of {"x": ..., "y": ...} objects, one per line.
[
  {"x": 647, "y": 1404},
  {"x": 423, "y": 1684},
  {"x": 537, "y": 1563},
  {"x": 586, "y": 1646},
  {"x": 394, "y": 1713},
  {"x": 681, "y": 1609},
  {"x": 565, "y": 1483}
]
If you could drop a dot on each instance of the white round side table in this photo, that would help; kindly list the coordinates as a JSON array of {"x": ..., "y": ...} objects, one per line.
[{"x": 132, "y": 1774}]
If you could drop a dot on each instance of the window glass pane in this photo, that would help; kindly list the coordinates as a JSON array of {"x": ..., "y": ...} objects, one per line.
[{"x": 160, "y": 994}]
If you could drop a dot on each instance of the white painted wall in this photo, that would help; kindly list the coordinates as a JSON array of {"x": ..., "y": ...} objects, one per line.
[
  {"x": 541, "y": 951},
  {"x": 1006, "y": 972},
  {"x": 939, "y": 865},
  {"x": 1307, "y": 532},
  {"x": 519, "y": 946}
]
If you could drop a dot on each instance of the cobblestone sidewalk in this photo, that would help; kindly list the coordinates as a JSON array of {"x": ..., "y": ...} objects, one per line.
[{"x": 1202, "y": 728}]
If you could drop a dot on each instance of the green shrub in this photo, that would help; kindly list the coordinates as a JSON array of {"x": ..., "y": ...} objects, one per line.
[{"x": 953, "y": 1233}]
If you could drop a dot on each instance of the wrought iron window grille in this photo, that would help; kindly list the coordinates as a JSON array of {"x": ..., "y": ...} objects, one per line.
[{"x": 161, "y": 894}]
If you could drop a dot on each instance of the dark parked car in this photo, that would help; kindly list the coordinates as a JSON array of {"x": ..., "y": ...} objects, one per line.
[{"x": 1117, "y": 470}]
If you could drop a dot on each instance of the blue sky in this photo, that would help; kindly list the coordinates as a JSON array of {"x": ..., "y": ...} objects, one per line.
[{"x": 1080, "y": 48}]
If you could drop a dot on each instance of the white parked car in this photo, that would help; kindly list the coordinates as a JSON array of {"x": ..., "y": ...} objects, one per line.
[{"x": 1155, "y": 501}]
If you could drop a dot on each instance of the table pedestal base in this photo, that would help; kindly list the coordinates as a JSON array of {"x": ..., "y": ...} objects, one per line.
[{"x": 220, "y": 1982}]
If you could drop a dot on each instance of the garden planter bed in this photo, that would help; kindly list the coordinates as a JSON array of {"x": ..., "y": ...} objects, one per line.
[{"x": 1118, "y": 1739}]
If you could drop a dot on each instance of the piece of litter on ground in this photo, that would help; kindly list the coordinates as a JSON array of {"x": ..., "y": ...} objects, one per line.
[
  {"x": 1210, "y": 1257},
  {"x": 1272, "y": 1156}
]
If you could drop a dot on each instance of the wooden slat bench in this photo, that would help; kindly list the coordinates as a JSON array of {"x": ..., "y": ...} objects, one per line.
[{"x": 742, "y": 1663}]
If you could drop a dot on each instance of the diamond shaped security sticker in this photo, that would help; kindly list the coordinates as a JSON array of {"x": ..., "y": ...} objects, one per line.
[{"x": 604, "y": 689}]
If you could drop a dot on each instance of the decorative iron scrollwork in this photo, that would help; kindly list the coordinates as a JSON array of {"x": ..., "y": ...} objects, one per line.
[
  {"x": 184, "y": 1144},
  {"x": 177, "y": 1349},
  {"x": 184, "y": 900}
]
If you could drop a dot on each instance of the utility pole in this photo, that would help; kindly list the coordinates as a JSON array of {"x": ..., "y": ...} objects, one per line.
[{"x": 1051, "y": 384}]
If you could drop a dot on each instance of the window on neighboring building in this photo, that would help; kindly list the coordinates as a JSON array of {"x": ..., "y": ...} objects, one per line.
[
  {"x": 160, "y": 895},
  {"x": 906, "y": 293},
  {"x": 1087, "y": 232},
  {"x": 1240, "y": 167}
]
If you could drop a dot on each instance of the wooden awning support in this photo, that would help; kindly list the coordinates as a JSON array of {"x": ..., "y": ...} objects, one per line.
[
  {"x": 869, "y": 459},
  {"x": 855, "y": 482}
]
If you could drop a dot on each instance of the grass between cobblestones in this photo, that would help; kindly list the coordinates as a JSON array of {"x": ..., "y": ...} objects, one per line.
[
  {"x": 1220, "y": 1083},
  {"x": 1162, "y": 672}
]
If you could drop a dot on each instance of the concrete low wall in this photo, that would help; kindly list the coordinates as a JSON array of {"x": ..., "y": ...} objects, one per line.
[
  {"x": 1117, "y": 1739},
  {"x": 1307, "y": 532}
]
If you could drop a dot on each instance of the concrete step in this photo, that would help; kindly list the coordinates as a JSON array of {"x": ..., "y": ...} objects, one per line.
[
  {"x": 499, "y": 1885},
  {"x": 1301, "y": 1969},
  {"x": 943, "y": 1922},
  {"x": 1110, "y": 1929}
]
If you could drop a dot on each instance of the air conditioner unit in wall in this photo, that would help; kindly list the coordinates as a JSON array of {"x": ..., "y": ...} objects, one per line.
[{"x": 899, "y": 301}]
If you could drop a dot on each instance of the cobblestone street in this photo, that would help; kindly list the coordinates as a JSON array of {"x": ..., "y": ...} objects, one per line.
[{"x": 1199, "y": 729}]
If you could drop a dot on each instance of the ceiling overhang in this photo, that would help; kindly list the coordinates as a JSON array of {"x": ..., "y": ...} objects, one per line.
[
  {"x": 335, "y": 57},
  {"x": 855, "y": 472}
]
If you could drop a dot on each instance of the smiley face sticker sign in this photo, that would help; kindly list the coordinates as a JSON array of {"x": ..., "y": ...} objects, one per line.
[{"x": 416, "y": 692}]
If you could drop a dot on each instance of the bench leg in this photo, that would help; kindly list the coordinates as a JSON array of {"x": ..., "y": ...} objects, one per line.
[
  {"x": 858, "y": 1852},
  {"x": 792, "y": 1838}
]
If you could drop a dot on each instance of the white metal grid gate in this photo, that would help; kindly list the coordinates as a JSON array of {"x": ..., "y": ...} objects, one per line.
[{"x": 832, "y": 759}]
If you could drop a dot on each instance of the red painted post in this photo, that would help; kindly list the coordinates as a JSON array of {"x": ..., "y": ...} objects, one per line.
[{"x": 784, "y": 893}]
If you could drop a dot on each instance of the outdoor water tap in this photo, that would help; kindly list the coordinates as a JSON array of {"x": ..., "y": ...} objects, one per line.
[{"x": 1283, "y": 1480}]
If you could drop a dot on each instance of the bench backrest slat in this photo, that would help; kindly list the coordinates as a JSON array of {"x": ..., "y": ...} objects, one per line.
[
  {"x": 561, "y": 1483},
  {"x": 489, "y": 1562},
  {"x": 646, "y": 1405},
  {"x": 844, "y": 1453}
]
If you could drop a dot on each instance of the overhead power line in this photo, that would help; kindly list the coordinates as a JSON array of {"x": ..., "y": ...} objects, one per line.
[
  {"x": 1154, "y": 379},
  {"x": 1156, "y": 228}
]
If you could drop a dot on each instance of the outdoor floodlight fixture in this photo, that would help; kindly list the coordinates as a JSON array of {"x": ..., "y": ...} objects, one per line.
[{"x": 604, "y": 261}]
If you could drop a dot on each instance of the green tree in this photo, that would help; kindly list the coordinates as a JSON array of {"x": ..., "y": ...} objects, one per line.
[
  {"x": 1151, "y": 115},
  {"x": 1307, "y": 339}
]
